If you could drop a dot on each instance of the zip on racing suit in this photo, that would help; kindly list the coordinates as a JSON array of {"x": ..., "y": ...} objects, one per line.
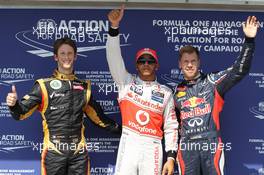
[
  {"x": 199, "y": 103},
  {"x": 63, "y": 100},
  {"x": 147, "y": 110}
]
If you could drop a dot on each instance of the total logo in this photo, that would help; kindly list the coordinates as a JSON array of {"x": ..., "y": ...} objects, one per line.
[{"x": 142, "y": 117}]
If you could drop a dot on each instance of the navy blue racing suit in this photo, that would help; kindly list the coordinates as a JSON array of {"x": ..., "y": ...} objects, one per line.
[{"x": 199, "y": 103}]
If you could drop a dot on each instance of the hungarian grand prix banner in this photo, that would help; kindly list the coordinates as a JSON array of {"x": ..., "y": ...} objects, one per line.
[{"x": 27, "y": 36}]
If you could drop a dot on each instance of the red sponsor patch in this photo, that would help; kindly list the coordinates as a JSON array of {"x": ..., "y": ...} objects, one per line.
[
  {"x": 78, "y": 87},
  {"x": 181, "y": 88}
]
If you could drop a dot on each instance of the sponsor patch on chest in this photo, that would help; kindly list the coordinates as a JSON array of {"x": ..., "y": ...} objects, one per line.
[
  {"x": 157, "y": 96},
  {"x": 137, "y": 89},
  {"x": 55, "y": 84},
  {"x": 78, "y": 85}
]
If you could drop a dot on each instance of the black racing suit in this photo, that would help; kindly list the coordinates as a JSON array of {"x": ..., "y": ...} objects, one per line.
[
  {"x": 63, "y": 100},
  {"x": 199, "y": 103}
]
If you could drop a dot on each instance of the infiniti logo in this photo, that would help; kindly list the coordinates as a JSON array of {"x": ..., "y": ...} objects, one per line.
[{"x": 195, "y": 122}]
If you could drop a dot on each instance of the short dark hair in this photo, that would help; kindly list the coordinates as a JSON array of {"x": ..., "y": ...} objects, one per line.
[
  {"x": 188, "y": 49},
  {"x": 62, "y": 41}
]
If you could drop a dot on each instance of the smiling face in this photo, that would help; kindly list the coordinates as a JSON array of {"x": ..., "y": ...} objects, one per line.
[
  {"x": 146, "y": 67},
  {"x": 65, "y": 58},
  {"x": 189, "y": 64}
]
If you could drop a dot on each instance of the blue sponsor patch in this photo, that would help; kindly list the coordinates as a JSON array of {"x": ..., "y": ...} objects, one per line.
[
  {"x": 157, "y": 93},
  {"x": 157, "y": 96},
  {"x": 157, "y": 99}
]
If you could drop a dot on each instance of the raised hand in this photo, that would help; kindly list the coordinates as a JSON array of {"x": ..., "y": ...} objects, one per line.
[
  {"x": 11, "y": 97},
  {"x": 116, "y": 15},
  {"x": 250, "y": 27}
]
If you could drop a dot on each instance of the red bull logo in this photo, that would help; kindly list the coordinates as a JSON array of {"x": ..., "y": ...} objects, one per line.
[
  {"x": 196, "y": 110},
  {"x": 193, "y": 102}
]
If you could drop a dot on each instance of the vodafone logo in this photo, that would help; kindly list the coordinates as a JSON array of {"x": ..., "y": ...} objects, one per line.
[{"x": 142, "y": 117}]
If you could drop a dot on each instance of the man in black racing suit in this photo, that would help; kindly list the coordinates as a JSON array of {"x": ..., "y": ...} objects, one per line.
[
  {"x": 62, "y": 100},
  {"x": 199, "y": 100}
]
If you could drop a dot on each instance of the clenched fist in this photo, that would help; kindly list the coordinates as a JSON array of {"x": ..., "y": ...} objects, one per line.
[
  {"x": 11, "y": 97},
  {"x": 116, "y": 15}
]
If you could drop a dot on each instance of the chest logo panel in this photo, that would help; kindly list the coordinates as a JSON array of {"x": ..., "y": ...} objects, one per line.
[
  {"x": 55, "y": 84},
  {"x": 142, "y": 117}
]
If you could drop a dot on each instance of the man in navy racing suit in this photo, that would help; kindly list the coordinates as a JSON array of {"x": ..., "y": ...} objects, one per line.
[{"x": 199, "y": 100}]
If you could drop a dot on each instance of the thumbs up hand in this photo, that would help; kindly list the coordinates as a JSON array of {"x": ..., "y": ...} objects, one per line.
[{"x": 11, "y": 97}]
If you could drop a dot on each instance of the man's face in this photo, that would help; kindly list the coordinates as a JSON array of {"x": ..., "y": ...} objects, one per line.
[
  {"x": 65, "y": 58},
  {"x": 146, "y": 67},
  {"x": 189, "y": 64}
]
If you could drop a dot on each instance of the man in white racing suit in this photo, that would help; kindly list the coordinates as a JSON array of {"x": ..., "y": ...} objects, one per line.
[{"x": 147, "y": 110}]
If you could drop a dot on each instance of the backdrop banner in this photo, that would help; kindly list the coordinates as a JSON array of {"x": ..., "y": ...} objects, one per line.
[{"x": 27, "y": 36}]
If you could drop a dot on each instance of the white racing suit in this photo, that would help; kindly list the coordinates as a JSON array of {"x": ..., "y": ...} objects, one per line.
[{"x": 148, "y": 112}]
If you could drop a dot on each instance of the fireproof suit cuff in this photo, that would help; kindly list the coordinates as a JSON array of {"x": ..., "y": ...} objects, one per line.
[
  {"x": 171, "y": 154},
  {"x": 115, "y": 129},
  {"x": 249, "y": 40},
  {"x": 113, "y": 31},
  {"x": 15, "y": 110}
]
